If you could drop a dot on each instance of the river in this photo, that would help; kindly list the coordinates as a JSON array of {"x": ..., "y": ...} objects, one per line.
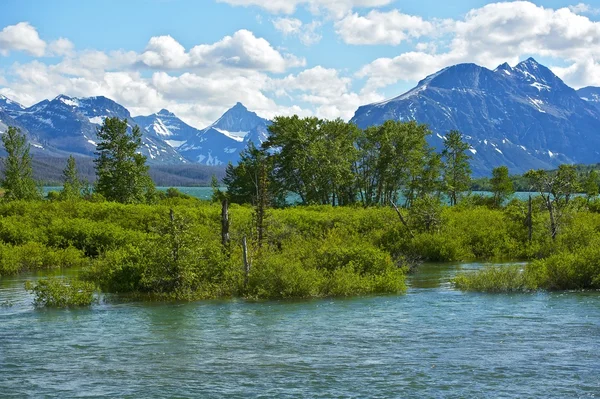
[{"x": 433, "y": 342}]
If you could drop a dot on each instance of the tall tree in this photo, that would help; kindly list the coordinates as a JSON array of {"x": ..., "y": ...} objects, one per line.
[
  {"x": 72, "y": 184},
  {"x": 243, "y": 180},
  {"x": 590, "y": 184},
  {"x": 392, "y": 157},
  {"x": 18, "y": 173},
  {"x": 555, "y": 190},
  {"x": 502, "y": 185},
  {"x": 313, "y": 158},
  {"x": 122, "y": 172},
  {"x": 457, "y": 171}
]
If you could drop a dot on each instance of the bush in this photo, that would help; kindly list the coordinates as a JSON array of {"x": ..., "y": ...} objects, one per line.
[
  {"x": 57, "y": 293},
  {"x": 494, "y": 279}
]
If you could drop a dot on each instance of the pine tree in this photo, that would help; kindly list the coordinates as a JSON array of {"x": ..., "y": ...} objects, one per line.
[
  {"x": 457, "y": 171},
  {"x": 122, "y": 172},
  {"x": 72, "y": 185},
  {"x": 18, "y": 173}
]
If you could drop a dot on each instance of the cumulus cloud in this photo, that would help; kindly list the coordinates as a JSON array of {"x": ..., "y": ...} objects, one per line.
[
  {"x": 582, "y": 73},
  {"x": 494, "y": 34},
  {"x": 325, "y": 89},
  {"x": 241, "y": 50},
  {"x": 377, "y": 27},
  {"x": 62, "y": 47},
  {"x": 336, "y": 8},
  {"x": 165, "y": 52},
  {"x": 306, "y": 33},
  {"x": 21, "y": 37},
  {"x": 244, "y": 50}
]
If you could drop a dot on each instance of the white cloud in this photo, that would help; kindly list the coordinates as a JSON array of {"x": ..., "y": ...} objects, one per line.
[
  {"x": 241, "y": 50},
  {"x": 287, "y": 26},
  {"x": 325, "y": 89},
  {"x": 21, "y": 37},
  {"x": 164, "y": 52},
  {"x": 306, "y": 33},
  {"x": 337, "y": 8},
  {"x": 583, "y": 8},
  {"x": 62, "y": 46},
  {"x": 581, "y": 73},
  {"x": 494, "y": 34},
  {"x": 377, "y": 27}
]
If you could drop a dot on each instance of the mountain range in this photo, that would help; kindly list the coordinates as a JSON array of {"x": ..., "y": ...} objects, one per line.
[
  {"x": 524, "y": 117},
  {"x": 67, "y": 125}
]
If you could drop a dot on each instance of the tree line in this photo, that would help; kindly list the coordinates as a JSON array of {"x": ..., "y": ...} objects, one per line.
[
  {"x": 335, "y": 163},
  {"x": 322, "y": 162},
  {"x": 122, "y": 173}
]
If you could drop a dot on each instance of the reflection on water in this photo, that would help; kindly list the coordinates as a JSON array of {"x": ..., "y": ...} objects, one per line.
[{"x": 432, "y": 342}]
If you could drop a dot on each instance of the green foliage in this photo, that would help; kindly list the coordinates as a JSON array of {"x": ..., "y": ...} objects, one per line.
[
  {"x": 72, "y": 184},
  {"x": 502, "y": 185},
  {"x": 172, "y": 192},
  {"x": 243, "y": 180},
  {"x": 57, "y": 293},
  {"x": 18, "y": 174},
  {"x": 32, "y": 256},
  {"x": 457, "y": 171},
  {"x": 494, "y": 279},
  {"x": 313, "y": 158},
  {"x": 425, "y": 214},
  {"x": 556, "y": 190},
  {"x": 395, "y": 156},
  {"x": 311, "y": 251},
  {"x": 122, "y": 172},
  {"x": 590, "y": 184}
]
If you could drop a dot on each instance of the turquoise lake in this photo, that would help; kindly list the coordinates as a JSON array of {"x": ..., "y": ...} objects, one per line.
[{"x": 432, "y": 342}]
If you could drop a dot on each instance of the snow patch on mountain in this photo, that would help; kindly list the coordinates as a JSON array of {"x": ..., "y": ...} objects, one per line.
[{"x": 237, "y": 136}]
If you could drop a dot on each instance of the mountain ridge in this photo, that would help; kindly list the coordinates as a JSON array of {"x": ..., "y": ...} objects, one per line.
[{"x": 524, "y": 116}]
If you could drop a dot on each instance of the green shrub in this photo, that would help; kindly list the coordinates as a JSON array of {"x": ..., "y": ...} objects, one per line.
[
  {"x": 57, "y": 293},
  {"x": 494, "y": 279}
]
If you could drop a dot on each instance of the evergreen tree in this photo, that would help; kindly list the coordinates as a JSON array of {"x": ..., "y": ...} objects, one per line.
[
  {"x": 457, "y": 171},
  {"x": 18, "y": 173},
  {"x": 502, "y": 185},
  {"x": 72, "y": 184},
  {"x": 122, "y": 172},
  {"x": 243, "y": 181}
]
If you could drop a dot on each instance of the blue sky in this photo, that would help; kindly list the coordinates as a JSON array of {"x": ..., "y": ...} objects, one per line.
[{"x": 311, "y": 57}]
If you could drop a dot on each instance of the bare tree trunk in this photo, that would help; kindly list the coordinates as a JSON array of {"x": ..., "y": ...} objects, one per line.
[
  {"x": 225, "y": 223},
  {"x": 553, "y": 226},
  {"x": 530, "y": 219},
  {"x": 246, "y": 261},
  {"x": 402, "y": 219}
]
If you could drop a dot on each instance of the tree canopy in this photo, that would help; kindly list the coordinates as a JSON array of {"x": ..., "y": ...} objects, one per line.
[
  {"x": 18, "y": 173},
  {"x": 122, "y": 171}
]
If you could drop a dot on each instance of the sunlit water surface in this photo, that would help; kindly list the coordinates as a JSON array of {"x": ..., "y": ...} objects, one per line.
[{"x": 432, "y": 342}]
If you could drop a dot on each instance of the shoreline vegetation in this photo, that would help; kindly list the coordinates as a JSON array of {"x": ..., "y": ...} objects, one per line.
[{"x": 349, "y": 236}]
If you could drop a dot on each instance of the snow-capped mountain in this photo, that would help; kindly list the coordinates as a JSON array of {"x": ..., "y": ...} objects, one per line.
[
  {"x": 523, "y": 117},
  {"x": 221, "y": 142},
  {"x": 590, "y": 94},
  {"x": 166, "y": 126},
  {"x": 70, "y": 124},
  {"x": 10, "y": 106}
]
